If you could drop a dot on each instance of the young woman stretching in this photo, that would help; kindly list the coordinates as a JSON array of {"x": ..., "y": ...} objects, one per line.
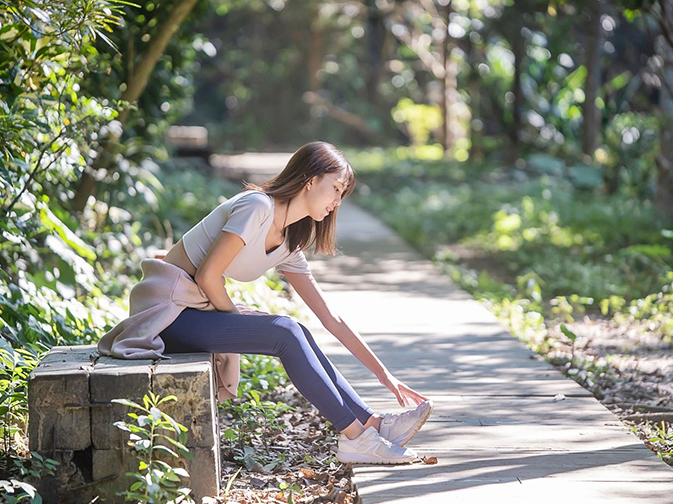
[{"x": 262, "y": 227}]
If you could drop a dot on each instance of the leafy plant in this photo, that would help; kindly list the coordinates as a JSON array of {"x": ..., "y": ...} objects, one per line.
[
  {"x": 260, "y": 373},
  {"x": 662, "y": 439},
  {"x": 290, "y": 489},
  {"x": 15, "y": 366},
  {"x": 157, "y": 480},
  {"x": 255, "y": 416},
  {"x": 9, "y": 487},
  {"x": 31, "y": 470}
]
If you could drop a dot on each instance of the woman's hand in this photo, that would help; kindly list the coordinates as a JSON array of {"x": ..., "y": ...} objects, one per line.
[
  {"x": 244, "y": 309},
  {"x": 403, "y": 393}
]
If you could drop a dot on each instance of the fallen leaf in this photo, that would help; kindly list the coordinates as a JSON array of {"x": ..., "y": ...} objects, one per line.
[
  {"x": 429, "y": 460},
  {"x": 307, "y": 473}
]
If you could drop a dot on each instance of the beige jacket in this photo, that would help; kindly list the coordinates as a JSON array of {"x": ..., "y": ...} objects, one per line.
[{"x": 155, "y": 302}]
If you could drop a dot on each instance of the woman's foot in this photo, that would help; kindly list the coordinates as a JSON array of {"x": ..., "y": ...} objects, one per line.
[
  {"x": 399, "y": 428},
  {"x": 370, "y": 448}
]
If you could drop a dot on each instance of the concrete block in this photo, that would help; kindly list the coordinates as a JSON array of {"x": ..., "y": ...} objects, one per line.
[
  {"x": 115, "y": 379},
  {"x": 55, "y": 387},
  {"x": 204, "y": 471},
  {"x": 70, "y": 481},
  {"x": 190, "y": 378},
  {"x": 72, "y": 419},
  {"x": 111, "y": 467},
  {"x": 203, "y": 480}
]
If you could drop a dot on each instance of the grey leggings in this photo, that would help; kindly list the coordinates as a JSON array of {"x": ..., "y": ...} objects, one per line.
[{"x": 308, "y": 367}]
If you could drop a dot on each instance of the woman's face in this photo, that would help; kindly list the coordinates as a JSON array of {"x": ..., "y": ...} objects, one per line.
[{"x": 325, "y": 194}]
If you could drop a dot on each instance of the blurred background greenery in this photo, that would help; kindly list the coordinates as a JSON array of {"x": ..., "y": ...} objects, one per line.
[{"x": 527, "y": 146}]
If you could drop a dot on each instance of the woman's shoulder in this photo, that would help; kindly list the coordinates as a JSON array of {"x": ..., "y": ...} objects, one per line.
[{"x": 252, "y": 197}]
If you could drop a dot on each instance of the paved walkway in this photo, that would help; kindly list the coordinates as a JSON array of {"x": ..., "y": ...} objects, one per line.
[{"x": 496, "y": 431}]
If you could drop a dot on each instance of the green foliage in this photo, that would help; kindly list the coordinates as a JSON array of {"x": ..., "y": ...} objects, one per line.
[
  {"x": 661, "y": 440},
  {"x": 46, "y": 126},
  {"x": 261, "y": 373},
  {"x": 555, "y": 251},
  {"x": 628, "y": 154},
  {"x": 157, "y": 480},
  {"x": 15, "y": 366},
  {"x": 256, "y": 417},
  {"x": 290, "y": 488},
  {"x": 31, "y": 470},
  {"x": 419, "y": 119},
  {"x": 8, "y": 488}
]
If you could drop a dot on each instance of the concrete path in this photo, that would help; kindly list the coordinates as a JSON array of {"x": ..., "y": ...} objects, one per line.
[
  {"x": 496, "y": 431},
  {"x": 256, "y": 167}
]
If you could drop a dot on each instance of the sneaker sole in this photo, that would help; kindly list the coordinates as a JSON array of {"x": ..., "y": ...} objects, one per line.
[
  {"x": 420, "y": 424},
  {"x": 356, "y": 458}
]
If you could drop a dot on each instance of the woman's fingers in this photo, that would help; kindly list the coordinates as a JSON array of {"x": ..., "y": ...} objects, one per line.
[
  {"x": 395, "y": 389},
  {"x": 415, "y": 396},
  {"x": 405, "y": 395},
  {"x": 400, "y": 396}
]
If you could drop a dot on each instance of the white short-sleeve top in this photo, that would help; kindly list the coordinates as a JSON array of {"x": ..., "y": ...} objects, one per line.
[{"x": 248, "y": 214}]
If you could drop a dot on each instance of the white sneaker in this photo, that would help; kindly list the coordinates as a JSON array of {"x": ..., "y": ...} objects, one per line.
[
  {"x": 370, "y": 448},
  {"x": 399, "y": 428}
]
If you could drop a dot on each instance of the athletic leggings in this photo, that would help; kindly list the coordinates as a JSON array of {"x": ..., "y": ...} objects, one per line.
[{"x": 308, "y": 367}]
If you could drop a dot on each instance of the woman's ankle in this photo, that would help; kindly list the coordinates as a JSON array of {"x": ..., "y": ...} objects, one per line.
[
  {"x": 374, "y": 421},
  {"x": 353, "y": 430}
]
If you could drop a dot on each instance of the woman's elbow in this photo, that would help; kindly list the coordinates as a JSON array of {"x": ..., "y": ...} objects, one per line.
[{"x": 204, "y": 280}]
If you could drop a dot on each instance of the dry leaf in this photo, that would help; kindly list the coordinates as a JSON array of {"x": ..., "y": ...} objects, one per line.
[
  {"x": 307, "y": 473},
  {"x": 429, "y": 460}
]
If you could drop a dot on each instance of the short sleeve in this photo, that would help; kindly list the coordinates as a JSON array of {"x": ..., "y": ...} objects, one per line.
[
  {"x": 295, "y": 263},
  {"x": 247, "y": 215}
]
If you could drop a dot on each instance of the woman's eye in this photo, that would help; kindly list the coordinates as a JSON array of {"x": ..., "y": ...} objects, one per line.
[{"x": 335, "y": 187}]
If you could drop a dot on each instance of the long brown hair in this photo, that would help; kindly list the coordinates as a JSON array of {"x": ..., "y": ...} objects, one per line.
[{"x": 313, "y": 159}]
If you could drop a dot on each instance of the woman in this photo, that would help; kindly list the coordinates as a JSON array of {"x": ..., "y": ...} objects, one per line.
[{"x": 262, "y": 227}]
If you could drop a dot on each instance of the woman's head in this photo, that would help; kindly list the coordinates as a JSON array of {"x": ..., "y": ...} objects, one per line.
[{"x": 320, "y": 172}]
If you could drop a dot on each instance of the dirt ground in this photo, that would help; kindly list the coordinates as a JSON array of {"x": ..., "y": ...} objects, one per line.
[
  {"x": 308, "y": 445},
  {"x": 633, "y": 374}
]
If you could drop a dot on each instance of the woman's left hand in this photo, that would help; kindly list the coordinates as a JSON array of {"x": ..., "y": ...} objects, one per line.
[
  {"x": 244, "y": 309},
  {"x": 403, "y": 393}
]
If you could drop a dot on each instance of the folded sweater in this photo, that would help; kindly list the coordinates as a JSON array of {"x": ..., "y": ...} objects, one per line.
[{"x": 155, "y": 302}]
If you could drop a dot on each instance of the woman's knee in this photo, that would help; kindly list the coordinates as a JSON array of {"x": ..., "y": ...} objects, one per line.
[{"x": 292, "y": 332}]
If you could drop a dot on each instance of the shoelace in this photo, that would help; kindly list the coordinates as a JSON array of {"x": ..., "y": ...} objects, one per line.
[
  {"x": 395, "y": 416},
  {"x": 385, "y": 441}
]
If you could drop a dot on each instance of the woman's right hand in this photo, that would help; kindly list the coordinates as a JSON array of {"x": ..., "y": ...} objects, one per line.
[{"x": 403, "y": 393}]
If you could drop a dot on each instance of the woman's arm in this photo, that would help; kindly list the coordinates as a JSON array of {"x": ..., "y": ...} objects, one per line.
[
  {"x": 313, "y": 296},
  {"x": 209, "y": 273}
]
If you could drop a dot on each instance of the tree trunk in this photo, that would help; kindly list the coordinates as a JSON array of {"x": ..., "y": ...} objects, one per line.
[
  {"x": 315, "y": 55},
  {"x": 519, "y": 50},
  {"x": 316, "y": 52},
  {"x": 376, "y": 32},
  {"x": 348, "y": 118},
  {"x": 135, "y": 86},
  {"x": 449, "y": 84},
  {"x": 591, "y": 125},
  {"x": 663, "y": 197},
  {"x": 474, "y": 90}
]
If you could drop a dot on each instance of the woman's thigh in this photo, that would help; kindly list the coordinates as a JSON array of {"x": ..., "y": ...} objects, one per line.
[{"x": 221, "y": 332}]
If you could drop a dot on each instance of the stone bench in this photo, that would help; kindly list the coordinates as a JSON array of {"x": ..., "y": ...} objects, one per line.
[{"x": 71, "y": 419}]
